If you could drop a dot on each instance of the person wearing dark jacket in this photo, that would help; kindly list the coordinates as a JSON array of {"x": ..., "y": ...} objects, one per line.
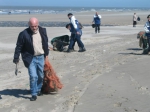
[
  {"x": 32, "y": 44},
  {"x": 76, "y": 33},
  {"x": 147, "y": 31},
  {"x": 97, "y": 22}
]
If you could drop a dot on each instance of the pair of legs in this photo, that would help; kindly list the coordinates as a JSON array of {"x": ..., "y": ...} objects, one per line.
[
  {"x": 148, "y": 40},
  {"x": 97, "y": 28},
  {"x": 134, "y": 23},
  {"x": 36, "y": 74},
  {"x": 76, "y": 38}
]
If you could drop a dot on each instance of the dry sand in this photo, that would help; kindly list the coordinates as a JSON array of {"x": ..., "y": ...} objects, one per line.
[{"x": 111, "y": 76}]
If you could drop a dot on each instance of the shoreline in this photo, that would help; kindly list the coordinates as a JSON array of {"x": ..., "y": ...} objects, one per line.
[{"x": 86, "y": 18}]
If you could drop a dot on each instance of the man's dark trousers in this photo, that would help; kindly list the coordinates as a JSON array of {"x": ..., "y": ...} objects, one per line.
[
  {"x": 97, "y": 28},
  {"x": 75, "y": 37}
]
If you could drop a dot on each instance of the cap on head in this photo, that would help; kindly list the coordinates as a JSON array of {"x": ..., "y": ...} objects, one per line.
[
  {"x": 67, "y": 25},
  {"x": 148, "y": 16},
  {"x": 70, "y": 14}
]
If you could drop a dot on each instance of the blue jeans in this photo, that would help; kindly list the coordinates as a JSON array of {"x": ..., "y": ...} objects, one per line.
[{"x": 36, "y": 74}]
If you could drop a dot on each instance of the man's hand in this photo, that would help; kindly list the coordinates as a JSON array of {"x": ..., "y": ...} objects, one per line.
[
  {"x": 78, "y": 33},
  {"x": 46, "y": 59},
  {"x": 16, "y": 61}
]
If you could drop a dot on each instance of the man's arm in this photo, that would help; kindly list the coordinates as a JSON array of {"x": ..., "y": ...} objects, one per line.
[
  {"x": 147, "y": 28},
  {"x": 93, "y": 19},
  {"x": 47, "y": 48},
  {"x": 100, "y": 16},
  {"x": 73, "y": 22},
  {"x": 19, "y": 45}
]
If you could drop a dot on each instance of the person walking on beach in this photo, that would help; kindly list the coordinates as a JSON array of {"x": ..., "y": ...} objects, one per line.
[
  {"x": 76, "y": 33},
  {"x": 134, "y": 20},
  {"x": 97, "y": 22},
  {"x": 32, "y": 44},
  {"x": 147, "y": 30}
]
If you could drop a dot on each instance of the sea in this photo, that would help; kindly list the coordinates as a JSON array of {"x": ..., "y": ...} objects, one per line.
[
  {"x": 16, "y": 10},
  {"x": 50, "y": 9}
]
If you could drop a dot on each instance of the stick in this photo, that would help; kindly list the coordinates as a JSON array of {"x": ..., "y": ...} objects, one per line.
[{"x": 16, "y": 70}]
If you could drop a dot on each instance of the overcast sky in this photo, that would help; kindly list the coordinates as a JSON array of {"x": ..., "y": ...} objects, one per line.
[{"x": 76, "y": 3}]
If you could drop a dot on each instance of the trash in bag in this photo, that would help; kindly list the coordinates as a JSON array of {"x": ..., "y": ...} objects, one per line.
[
  {"x": 143, "y": 42},
  {"x": 60, "y": 42}
]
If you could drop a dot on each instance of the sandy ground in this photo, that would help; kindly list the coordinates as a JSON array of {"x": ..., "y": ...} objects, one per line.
[{"x": 111, "y": 76}]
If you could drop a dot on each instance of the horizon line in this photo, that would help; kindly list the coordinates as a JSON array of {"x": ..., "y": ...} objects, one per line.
[{"x": 73, "y": 6}]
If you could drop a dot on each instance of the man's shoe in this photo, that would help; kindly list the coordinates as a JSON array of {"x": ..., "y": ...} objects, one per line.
[
  {"x": 69, "y": 50},
  {"x": 39, "y": 93},
  {"x": 82, "y": 50},
  {"x": 33, "y": 98},
  {"x": 73, "y": 50}
]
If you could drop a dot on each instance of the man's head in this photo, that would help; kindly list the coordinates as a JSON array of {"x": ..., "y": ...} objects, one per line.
[
  {"x": 68, "y": 26},
  {"x": 70, "y": 15},
  {"x": 148, "y": 17},
  {"x": 96, "y": 13},
  {"x": 134, "y": 13},
  {"x": 33, "y": 24}
]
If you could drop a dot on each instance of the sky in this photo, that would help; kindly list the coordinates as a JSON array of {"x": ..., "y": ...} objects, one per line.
[{"x": 77, "y": 3}]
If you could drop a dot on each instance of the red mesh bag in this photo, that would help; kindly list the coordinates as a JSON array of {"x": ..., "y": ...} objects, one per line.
[{"x": 51, "y": 82}]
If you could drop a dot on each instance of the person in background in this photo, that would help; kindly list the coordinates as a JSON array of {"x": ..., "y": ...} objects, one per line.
[
  {"x": 97, "y": 22},
  {"x": 147, "y": 31},
  {"x": 32, "y": 44},
  {"x": 68, "y": 26},
  {"x": 76, "y": 33},
  {"x": 134, "y": 20}
]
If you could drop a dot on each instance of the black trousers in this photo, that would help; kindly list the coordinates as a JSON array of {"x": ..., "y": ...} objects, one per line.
[
  {"x": 148, "y": 40},
  {"x": 97, "y": 28},
  {"x": 134, "y": 23},
  {"x": 75, "y": 38}
]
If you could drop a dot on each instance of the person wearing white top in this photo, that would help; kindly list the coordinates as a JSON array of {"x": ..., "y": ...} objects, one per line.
[{"x": 97, "y": 22}]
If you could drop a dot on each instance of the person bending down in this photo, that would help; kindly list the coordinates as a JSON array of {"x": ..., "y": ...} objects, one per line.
[{"x": 76, "y": 33}]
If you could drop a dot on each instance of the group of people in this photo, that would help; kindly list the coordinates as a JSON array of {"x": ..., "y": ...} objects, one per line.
[
  {"x": 32, "y": 44},
  {"x": 76, "y": 31}
]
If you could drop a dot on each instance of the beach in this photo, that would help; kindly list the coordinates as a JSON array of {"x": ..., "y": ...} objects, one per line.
[{"x": 111, "y": 76}]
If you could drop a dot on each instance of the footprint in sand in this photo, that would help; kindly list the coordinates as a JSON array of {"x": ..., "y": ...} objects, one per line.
[
  {"x": 72, "y": 66},
  {"x": 118, "y": 104},
  {"x": 83, "y": 61},
  {"x": 121, "y": 76},
  {"x": 143, "y": 88},
  {"x": 6, "y": 105},
  {"x": 130, "y": 110},
  {"x": 14, "y": 110}
]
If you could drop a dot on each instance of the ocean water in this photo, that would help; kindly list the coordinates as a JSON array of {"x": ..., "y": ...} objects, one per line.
[{"x": 48, "y": 10}]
